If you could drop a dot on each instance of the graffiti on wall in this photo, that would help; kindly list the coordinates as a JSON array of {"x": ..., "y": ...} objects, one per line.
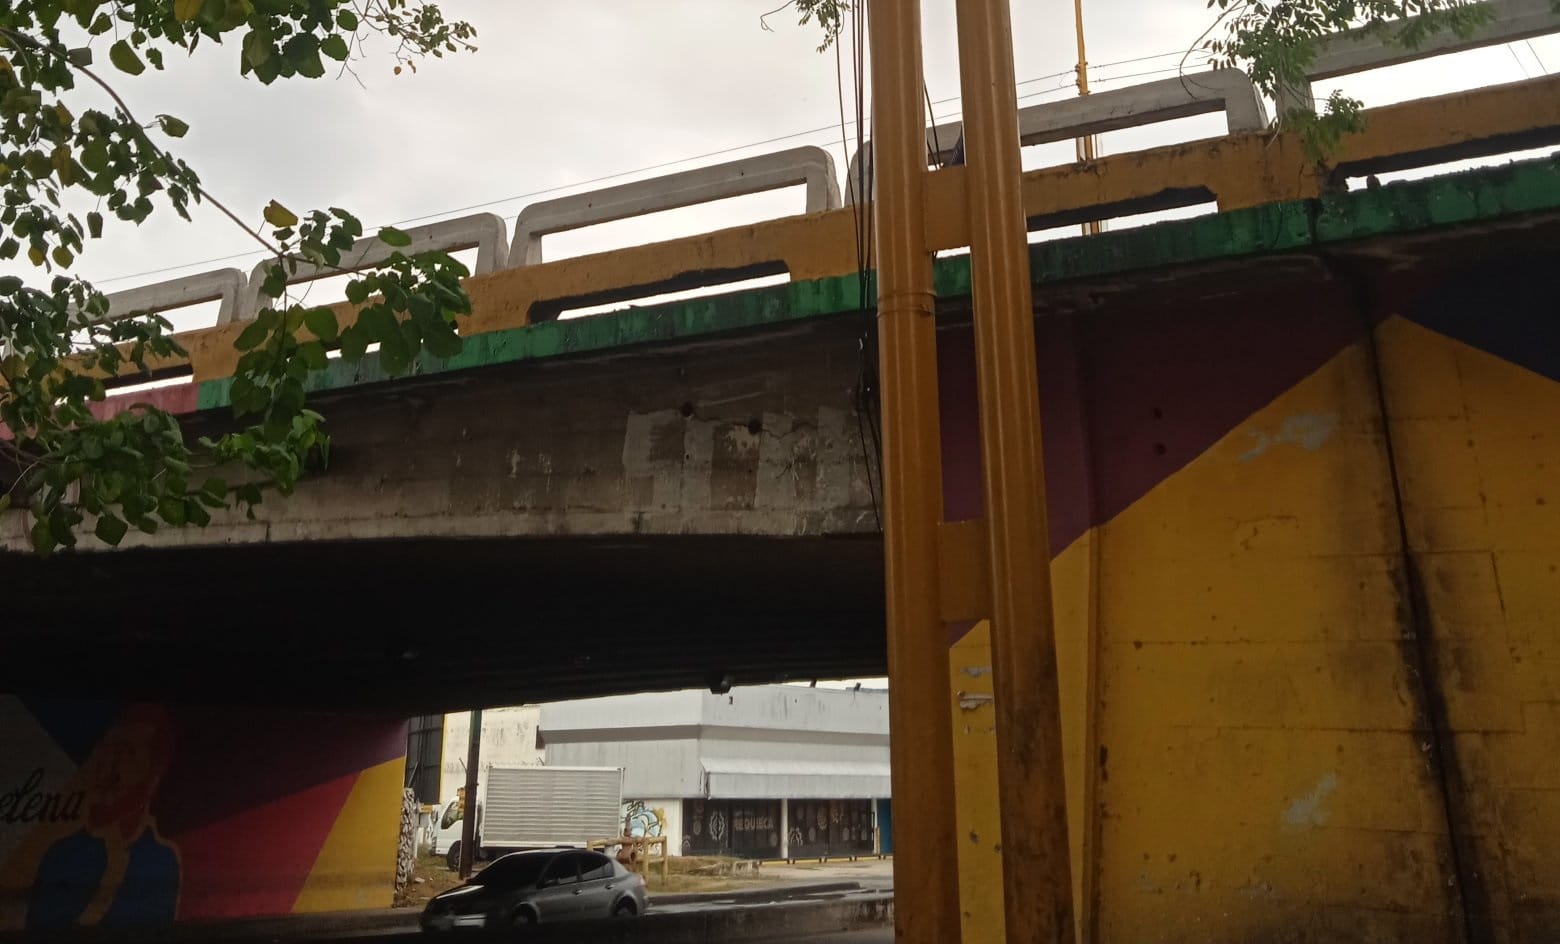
[
  {"x": 640, "y": 819},
  {"x": 117, "y": 814}
]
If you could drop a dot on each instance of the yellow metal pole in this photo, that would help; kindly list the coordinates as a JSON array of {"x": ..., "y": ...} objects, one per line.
[
  {"x": 1086, "y": 144},
  {"x": 926, "y": 907},
  {"x": 1037, "y": 880}
]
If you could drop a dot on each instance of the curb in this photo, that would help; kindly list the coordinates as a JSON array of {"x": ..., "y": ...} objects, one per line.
[
  {"x": 774, "y": 893},
  {"x": 758, "y": 923},
  {"x": 279, "y": 927}
]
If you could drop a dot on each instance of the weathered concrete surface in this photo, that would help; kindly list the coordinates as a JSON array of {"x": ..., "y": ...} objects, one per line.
[{"x": 757, "y": 436}]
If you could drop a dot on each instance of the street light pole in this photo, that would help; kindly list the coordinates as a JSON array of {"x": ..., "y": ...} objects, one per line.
[{"x": 468, "y": 821}]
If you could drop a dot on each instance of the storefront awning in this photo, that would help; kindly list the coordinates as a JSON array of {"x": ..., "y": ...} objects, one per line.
[{"x": 744, "y": 779}]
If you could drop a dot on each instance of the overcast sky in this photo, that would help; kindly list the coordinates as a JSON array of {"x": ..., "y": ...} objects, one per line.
[{"x": 560, "y": 93}]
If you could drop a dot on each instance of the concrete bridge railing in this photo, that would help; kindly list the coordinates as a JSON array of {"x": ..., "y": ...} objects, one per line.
[
  {"x": 810, "y": 166},
  {"x": 1373, "y": 47},
  {"x": 1201, "y": 93},
  {"x": 1226, "y": 90},
  {"x": 483, "y": 232},
  {"x": 221, "y": 285}
]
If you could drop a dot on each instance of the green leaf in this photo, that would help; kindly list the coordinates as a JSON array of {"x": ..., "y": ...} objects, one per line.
[
  {"x": 354, "y": 342},
  {"x": 312, "y": 353},
  {"x": 95, "y": 224},
  {"x": 110, "y": 529},
  {"x": 395, "y": 355},
  {"x": 335, "y": 47},
  {"x": 346, "y": 19},
  {"x": 125, "y": 59},
  {"x": 196, "y": 514},
  {"x": 172, "y": 511},
  {"x": 43, "y": 537},
  {"x": 278, "y": 215},
  {"x": 214, "y": 489},
  {"x": 257, "y": 47},
  {"x": 322, "y": 323},
  {"x": 311, "y": 66},
  {"x": 5, "y": 502},
  {"x": 80, "y": 57},
  {"x": 391, "y": 236},
  {"x": 62, "y": 257},
  {"x": 442, "y": 343},
  {"x": 172, "y": 126},
  {"x": 253, "y": 336},
  {"x": 186, "y": 10}
]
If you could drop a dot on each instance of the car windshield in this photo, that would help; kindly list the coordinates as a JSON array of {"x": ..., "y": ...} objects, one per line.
[{"x": 513, "y": 871}]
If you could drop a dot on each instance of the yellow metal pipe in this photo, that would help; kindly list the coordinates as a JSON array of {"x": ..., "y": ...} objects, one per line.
[
  {"x": 1087, "y": 144},
  {"x": 925, "y": 861},
  {"x": 1037, "y": 875}
]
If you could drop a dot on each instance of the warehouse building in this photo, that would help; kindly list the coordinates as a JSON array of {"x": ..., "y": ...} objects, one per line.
[{"x": 774, "y": 771}]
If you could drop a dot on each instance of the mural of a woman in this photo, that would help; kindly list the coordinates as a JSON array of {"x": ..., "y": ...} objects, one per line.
[{"x": 115, "y": 868}]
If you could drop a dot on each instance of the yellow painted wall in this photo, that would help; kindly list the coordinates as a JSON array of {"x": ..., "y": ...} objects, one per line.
[
  {"x": 978, "y": 816},
  {"x": 1263, "y": 775},
  {"x": 1478, "y": 448},
  {"x": 356, "y": 867}
]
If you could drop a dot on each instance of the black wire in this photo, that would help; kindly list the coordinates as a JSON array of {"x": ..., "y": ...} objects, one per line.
[
  {"x": 719, "y": 152},
  {"x": 867, "y": 382}
]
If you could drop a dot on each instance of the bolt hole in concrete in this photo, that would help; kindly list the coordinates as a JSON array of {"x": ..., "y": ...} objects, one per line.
[
  {"x": 686, "y": 410},
  {"x": 755, "y": 426},
  {"x": 1159, "y": 449}
]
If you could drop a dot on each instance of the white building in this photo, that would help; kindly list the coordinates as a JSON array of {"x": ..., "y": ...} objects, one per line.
[
  {"x": 775, "y": 771},
  {"x": 438, "y": 744}
]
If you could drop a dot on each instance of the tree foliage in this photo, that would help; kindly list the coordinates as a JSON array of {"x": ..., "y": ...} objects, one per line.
[
  {"x": 1275, "y": 41},
  {"x": 68, "y": 464}
]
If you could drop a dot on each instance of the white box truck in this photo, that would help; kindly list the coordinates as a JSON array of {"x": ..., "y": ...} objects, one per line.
[{"x": 536, "y": 807}]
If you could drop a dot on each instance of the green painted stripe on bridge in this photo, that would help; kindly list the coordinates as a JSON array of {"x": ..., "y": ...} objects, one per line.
[{"x": 1472, "y": 196}]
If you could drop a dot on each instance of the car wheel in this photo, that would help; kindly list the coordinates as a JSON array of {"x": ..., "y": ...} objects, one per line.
[
  {"x": 523, "y": 918},
  {"x": 625, "y": 909},
  {"x": 452, "y": 858}
]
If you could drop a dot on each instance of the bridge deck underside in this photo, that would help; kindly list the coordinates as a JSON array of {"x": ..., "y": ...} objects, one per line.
[{"x": 424, "y": 625}]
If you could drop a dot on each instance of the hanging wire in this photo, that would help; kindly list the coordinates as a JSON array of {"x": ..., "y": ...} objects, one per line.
[
  {"x": 1536, "y": 57},
  {"x": 857, "y": 59}
]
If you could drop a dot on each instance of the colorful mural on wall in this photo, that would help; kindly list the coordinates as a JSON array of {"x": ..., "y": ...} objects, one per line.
[
  {"x": 1305, "y": 555},
  {"x": 116, "y": 814}
]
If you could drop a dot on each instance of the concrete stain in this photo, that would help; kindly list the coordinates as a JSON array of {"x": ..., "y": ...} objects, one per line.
[
  {"x": 1307, "y": 811},
  {"x": 1309, "y": 431}
]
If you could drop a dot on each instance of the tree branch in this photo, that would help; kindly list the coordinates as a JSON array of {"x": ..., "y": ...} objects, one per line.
[{"x": 27, "y": 41}]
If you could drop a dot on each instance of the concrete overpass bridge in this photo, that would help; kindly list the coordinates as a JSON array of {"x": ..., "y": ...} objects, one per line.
[
  {"x": 1300, "y": 463},
  {"x": 672, "y": 494}
]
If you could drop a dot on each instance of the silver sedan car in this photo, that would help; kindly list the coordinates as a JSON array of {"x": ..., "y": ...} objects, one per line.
[{"x": 542, "y": 886}]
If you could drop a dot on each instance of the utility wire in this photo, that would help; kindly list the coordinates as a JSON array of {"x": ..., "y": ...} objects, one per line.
[
  {"x": 720, "y": 152},
  {"x": 1536, "y": 57}
]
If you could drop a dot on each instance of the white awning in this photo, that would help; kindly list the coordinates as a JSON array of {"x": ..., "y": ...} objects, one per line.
[{"x": 744, "y": 779}]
